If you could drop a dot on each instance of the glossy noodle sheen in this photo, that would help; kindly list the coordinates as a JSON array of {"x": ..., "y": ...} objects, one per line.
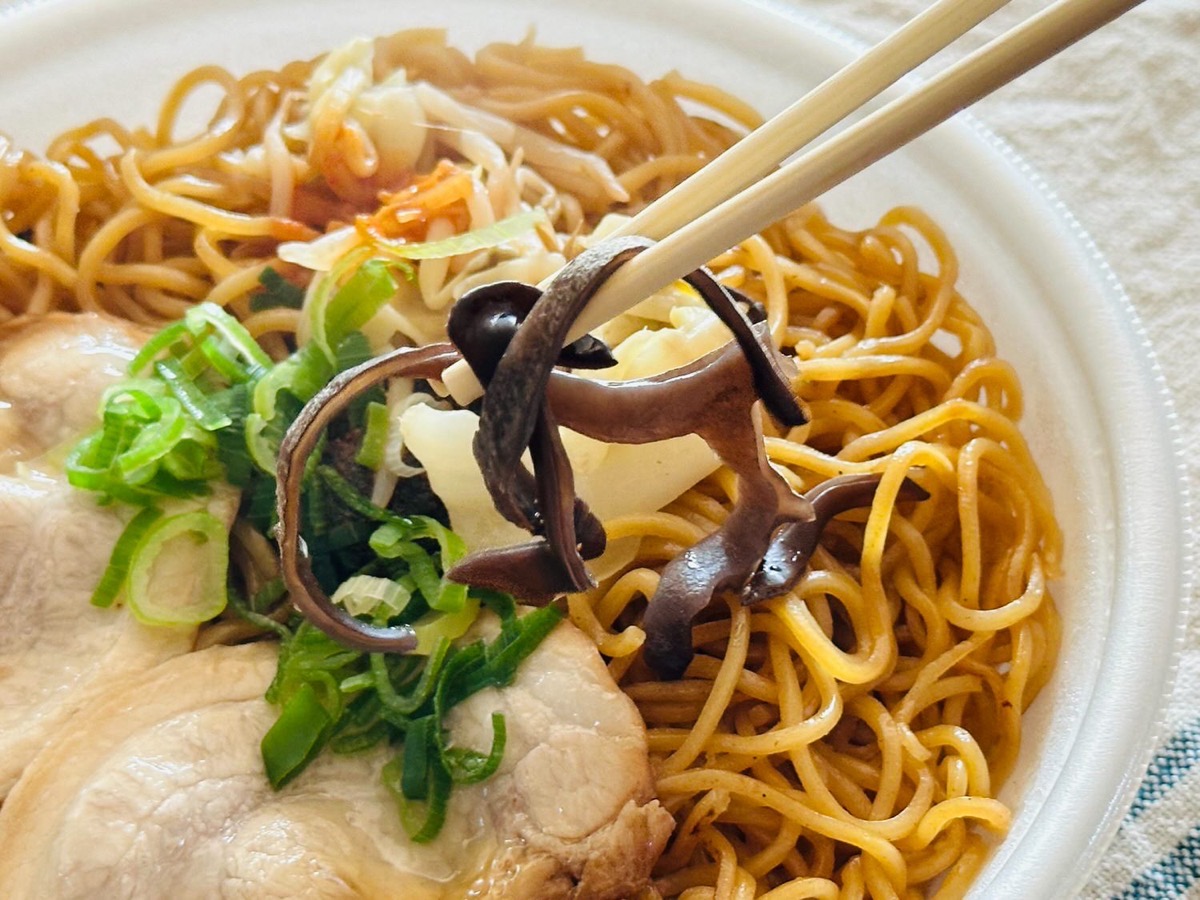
[
  {"x": 857, "y": 729},
  {"x": 847, "y": 737}
]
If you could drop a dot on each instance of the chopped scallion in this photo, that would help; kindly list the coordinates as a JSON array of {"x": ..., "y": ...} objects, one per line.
[
  {"x": 367, "y": 595},
  {"x": 471, "y": 767},
  {"x": 297, "y": 736},
  {"x": 356, "y": 302},
  {"x": 177, "y": 572},
  {"x": 210, "y": 316},
  {"x": 277, "y": 292},
  {"x": 112, "y": 582},
  {"x": 190, "y": 395},
  {"x": 375, "y": 436}
]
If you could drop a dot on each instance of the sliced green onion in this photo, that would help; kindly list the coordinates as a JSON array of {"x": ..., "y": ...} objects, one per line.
[
  {"x": 422, "y": 819},
  {"x": 368, "y": 595},
  {"x": 195, "y": 363},
  {"x": 502, "y": 657},
  {"x": 356, "y": 302},
  {"x": 416, "y": 527},
  {"x": 277, "y": 292},
  {"x": 356, "y": 502},
  {"x": 232, "y": 331},
  {"x": 375, "y": 437},
  {"x": 311, "y": 656},
  {"x": 360, "y": 741},
  {"x": 414, "y": 780},
  {"x": 469, "y": 241},
  {"x": 302, "y": 374},
  {"x": 396, "y": 539},
  {"x": 503, "y": 605},
  {"x": 400, "y": 707},
  {"x": 257, "y": 619},
  {"x": 297, "y": 736},
  {"x": 439, "y": 592},
  {"x": 231, "y": 450},
  {"x": 140, "y": 403},
  {"x": 172, "y": 334},
  {"x": 360, "y": 728},
  {"x": 352, "y": 350},
  {"x": 437, "y": 626},
  {"x": 423, "y": 572},
  {"x": 325, "y": 286},
  {"x": 193, "y": 459},
  {"x": 164, "y": 484},
  {"x": 155, "y": 440},
  {"x": 218, "y": 356},
  {"x": 190, "y": 395},
  {"x": 261, "y": 449},
  {"x": 471, "y": 767},
  {"x": 177, "y": 573},
  {"x": 535, "y": 627},
  {"x": 83, "y": 473},
  {"x": 113, "y": 579},
  {"x": 87, "y": 465},
  {"x": 165, "y": 435}
]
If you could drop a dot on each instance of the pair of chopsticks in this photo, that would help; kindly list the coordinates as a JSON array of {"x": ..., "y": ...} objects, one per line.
[{"x": 745, "y": 189}]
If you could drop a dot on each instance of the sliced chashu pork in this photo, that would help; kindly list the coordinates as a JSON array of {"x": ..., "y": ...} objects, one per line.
[
  {"x": 159, "y": 791},
  {"x": 57, "y": 651},
  {"x": 53, "y": 370}
]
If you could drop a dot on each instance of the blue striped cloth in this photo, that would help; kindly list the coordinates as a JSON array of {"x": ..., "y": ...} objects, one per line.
[{"x": 1156, "y": 853}]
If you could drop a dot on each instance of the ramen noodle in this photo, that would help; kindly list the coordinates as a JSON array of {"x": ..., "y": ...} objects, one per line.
[{"x": 846, "y": 739}]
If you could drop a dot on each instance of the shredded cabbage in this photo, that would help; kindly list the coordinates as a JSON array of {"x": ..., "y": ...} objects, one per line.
[
  {"x": 368, "y": 595},
  {"x": 376, "y": 128},
  {"x": 664, "y": 332}
]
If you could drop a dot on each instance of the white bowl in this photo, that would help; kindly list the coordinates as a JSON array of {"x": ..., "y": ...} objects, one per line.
[{"x": 1098, "y": 417}]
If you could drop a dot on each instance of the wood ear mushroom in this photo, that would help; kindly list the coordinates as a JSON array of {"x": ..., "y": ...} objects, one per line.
[{"x": 762, "y": 548}]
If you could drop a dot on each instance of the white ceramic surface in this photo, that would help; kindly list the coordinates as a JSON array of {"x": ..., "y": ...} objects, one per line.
[{"x": 1097, "y": 418}]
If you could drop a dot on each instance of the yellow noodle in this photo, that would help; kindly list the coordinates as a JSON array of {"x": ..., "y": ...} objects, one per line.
[
  {"x": 804, "y": 889},
  {"x": 679, "y": 165},
  {"x": 180, "y": 206}
]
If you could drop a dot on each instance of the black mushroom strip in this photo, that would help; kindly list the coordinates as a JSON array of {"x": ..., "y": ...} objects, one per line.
[
  {"x": 762, "y": 548},
  {"x": 294, "y": 451},
  {"x": 512, "y": 336}
]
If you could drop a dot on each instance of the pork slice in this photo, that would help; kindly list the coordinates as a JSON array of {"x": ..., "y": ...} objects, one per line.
[
  {"x": 159, "y": 791},
  {"x": 572, "y": 801},
  {"x": 57, "y": 651},
  {"x": 53, "y": 371}
]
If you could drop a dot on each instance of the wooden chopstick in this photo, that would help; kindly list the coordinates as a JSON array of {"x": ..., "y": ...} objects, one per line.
[
  {"x": 762, "y": 151},
  {"x": 707, "y": 235}
]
